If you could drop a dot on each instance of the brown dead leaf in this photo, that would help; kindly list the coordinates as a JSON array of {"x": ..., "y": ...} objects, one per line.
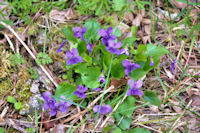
[
  {"x": 147, "y": 29},
  {"x": 48, "y": 125},
  {"x": 118, "y": 83},
  {"x": 137, "y": 21},
  {"x": 128, "y": 17},
  {"x": 69, "y": 14}
]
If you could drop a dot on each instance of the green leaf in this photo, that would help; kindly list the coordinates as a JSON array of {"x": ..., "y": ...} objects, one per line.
[
  {"x": 118, "y": 130},
  {"x": 124, "y": 121},
  {"x": 117, "y": 70},
  {"x": 89, "y": 75},
  {"x": 92, "y": 30},
  {"x": 155, "y": 51},
  {"x": 118, "y": 5},
  {"x": 127, "y": 107},
  {"x": 151, "y": 97},
  {"x": 67, "y": 90},
  {"x": 137, "y": 130},
  {"x": 18, "y": 105},
  {"x": 43, "y": 58},
  {"x": 16, "y": 59},
  {"x": 2, "y": 130},
  {"x": 11, "y": 99},
  {"x": 117, "y": 32},
  {"x": 69, "y": 34},
  {"x": 81, "y": 48}
]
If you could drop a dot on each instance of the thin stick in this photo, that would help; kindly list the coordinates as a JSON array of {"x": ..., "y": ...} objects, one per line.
[
  {"x": 9, "y": 41},
  {"x": 29, "y": 51}
]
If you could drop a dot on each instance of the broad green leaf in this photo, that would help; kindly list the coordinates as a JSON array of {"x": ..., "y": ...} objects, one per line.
[
  {"x": 117, "y": 70},
  {"x": 127, "y": 107},
  {"x": 111, "y": 129},
  {"x": 67, "y": 90},
  {"x": 124, "y": 121},
  {"x": 92, "y": 30},
  {"x": 155, "y": 51},
  {"x": 87, "y": 59},
  {"x": 137, "y": 130},
  {"x": 118, "y": 5},
  {"x": 69, "y": 34},
  {"x": 11, "y": 99},
  {"x": 118, "y": 130},
  {"x": 89, "y": 75},
  {"x": 18, "y": 105},
  {"x": 151, "y": 97}
]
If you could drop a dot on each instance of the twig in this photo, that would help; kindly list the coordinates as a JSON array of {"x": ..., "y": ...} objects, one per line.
[
  {"x": 29, "y": 51},
  {"x": 9, "y": 41}
]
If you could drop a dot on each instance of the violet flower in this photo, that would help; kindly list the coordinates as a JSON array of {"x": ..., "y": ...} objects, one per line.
[
  {"x": 172, "y": 66},
  {"x": 96, "y": 89},
  {"x": 73, "y": 56},
  {"x": 128, "y": 66},
  {"x": 102, "y": 79},
  {"x": 113, "y": 47},
  {"x": 123, "y": 51},
  {"x": 81, "y": 92},
  {"x": 134, "y": 88},
  {"x": 104, "y": 109},
  {"x": 61, "y": 46},
  {"x": 106, "y": 34},
  {"x": 78, "y": 32},
  {"x": 151, "y": 63},
  {"x": 50, "y": 103},
  {"x": 89, "y": 47}
]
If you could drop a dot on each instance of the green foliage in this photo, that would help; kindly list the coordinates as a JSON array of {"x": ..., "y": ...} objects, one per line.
[
  {"x": 89, "y": 75},
  {"x": 92, "y": 30},
  {"x": 2, "y": 130},
  {"x": 69, "y": 34},
  {"x": 152, "y": 98},
  {"x": 111, "y": 129},
  {"x": 43, "y": 58},
  {"x": 16, "y": 59},
  {"x": 124, "y": 121},
  {"x": 118, "y": 5},
  {"x": 137, "y": 130},
  {"x": 17, "y": 105},
  {"x": 67, "y": 90}
]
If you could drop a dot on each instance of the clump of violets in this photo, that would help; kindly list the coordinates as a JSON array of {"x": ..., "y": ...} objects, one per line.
[
  {"x": 73, "y": 57},
  {"x": 135, "y": 88},
  {"x": 105, "y": 109},
  {"x": 113, "y": 47},
  {"x": 106, "y": 35},
  {"x": 51, "y": 104},
  {"x": 78, "y": 32},
  {"x": 128, "y": 66},
  {"x": 81, "y": 92}
]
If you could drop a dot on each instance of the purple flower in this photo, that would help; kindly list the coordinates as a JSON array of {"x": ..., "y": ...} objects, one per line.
[
  {"x": 102, "y": 79},
  {"x": 62, "y": 105},
  {"x": 50, "y": 103},
  {"x": 128, "y": 66},
  {"x": 151, "y": 63},
  {"x": 172, "y": 66},
  {"x": 134, "y": 88},
  {"x": 113, "y": 47},
  {"x": 106, "y": 34},
  {"x": 78, "y": 32},
  {"x": 89, "y": 47},
  {"x": 81, "y": 91},
  {"x": 104, "y": 109},
  {"x": 123, "y": 51},
  {"x": 96, "y": 89},
  {"x": 61, "y": 46},
  {"x": 73, "y": 56}
]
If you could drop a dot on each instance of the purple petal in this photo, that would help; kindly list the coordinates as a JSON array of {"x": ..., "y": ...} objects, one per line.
[
  {"x": 126, "y": 63},
  {"x": 137, "y": 92},
  {"x": 80, "y": 94},
  {"x": 108, "y": 108},
  {"x": 76, "y": 29},
  {"x": 53, "y": 112},
  {"x": 129, "y": 92},
  {"x": 102, "y": 79},
  {"x": 102, "y": 33},
  {"x": 84, "y": 30},
  {"x": 96, "y": 108},
  {"x": 109, "y": 30},
  {"x": 137, "y": 66},
  {"x": 75, "y": 52},
  {"x": 138, "y": 84},
  {"x": 68, "y": 54},
  {"x": 60, "y": 48},
  {"x": 46, "y": 106},
  {"x": 118, "y": 45},
  {"x": 46, "y": 95},
  {"x": 151, "y": 63}
]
